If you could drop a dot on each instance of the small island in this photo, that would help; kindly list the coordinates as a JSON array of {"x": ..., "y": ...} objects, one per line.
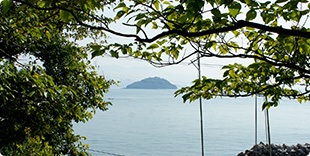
[{"x": 152, "y": 83}]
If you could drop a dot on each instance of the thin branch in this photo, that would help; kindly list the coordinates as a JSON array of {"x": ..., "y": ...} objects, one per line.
[
  {"x": 262, "y": 58},
  {"x": 163, "y": 64},
  {"x": 134, "y": 25},
  {"x": 11, "y": 57},
  {"x": 269, "y": 87},
  {"x": 237, "y": 25}
]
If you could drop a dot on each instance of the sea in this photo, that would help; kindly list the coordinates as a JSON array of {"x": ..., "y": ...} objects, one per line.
[{"x": 145, "y": 122}]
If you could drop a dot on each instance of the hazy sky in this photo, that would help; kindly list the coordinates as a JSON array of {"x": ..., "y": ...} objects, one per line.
[{"x": 128, "y": 70}]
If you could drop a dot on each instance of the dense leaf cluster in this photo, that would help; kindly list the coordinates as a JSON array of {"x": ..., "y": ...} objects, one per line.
[
  {"x": 40, "y": 102},
  {"x": 246, "y": 29},
  {"x": 274, "y": 35}
]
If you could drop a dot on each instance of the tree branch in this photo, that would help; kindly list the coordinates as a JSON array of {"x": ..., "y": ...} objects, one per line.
[
  {"x": 239, "y": 24},
  {"x": 285, "y": 64}
]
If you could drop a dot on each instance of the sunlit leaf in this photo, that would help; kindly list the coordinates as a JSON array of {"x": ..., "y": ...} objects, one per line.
[
  {"x": 251, "y": 14},
  {"x": 6, "y": 5},
  {"x": 64, "y": 15},
  {"x": 234, "y": 9},
  {"x": 153, "y": 46}
]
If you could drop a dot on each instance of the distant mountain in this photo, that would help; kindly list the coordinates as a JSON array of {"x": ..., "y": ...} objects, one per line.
[{"x": 152, "y": 83}]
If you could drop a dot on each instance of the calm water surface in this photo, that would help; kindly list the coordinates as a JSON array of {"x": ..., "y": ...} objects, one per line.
[{"x": 154, "y": 123}]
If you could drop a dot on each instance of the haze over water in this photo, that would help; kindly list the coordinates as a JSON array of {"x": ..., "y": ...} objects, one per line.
[{"x": 154, "y": 123}]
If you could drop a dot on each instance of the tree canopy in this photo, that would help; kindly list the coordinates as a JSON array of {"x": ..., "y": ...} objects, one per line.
[
  {"x": 273, "y": 34},
  {"x": 40, "y": 101}
]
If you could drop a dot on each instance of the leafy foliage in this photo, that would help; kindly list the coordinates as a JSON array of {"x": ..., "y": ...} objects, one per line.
[
  {"x": 246, "y": 29},
  {"x": 32, "y": 108},
  {"x": 39, "y": 104},
  {"x": 274, "y": 35}
]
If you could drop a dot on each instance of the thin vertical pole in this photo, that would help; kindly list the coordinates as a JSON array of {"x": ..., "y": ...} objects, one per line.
[
  {"x": 255, "y": 119},
  {"x": 200, "y": 104},
  {"x": 256, "y": 124},
  {"x": 269, "y": 142},
  {"x": 268, "y": 129}
]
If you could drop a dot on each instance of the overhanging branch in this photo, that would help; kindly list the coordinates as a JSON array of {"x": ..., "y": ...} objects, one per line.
[
  {"x": 274, "y": 63},
  {"x": 238, "y": 24}
]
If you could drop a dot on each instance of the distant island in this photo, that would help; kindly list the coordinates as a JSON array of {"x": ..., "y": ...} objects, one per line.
[{"x": 152, "y": 83}]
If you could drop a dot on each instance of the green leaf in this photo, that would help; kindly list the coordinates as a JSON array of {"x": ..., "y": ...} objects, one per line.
[
  {"x": 64, "y": 15},
  {"x": 41, "y": 4},
  {"x": 95, "y": 47},
  {"x": 97, "y": 53},
  {"x": 139, "y": 16},
  {"x": 252, "y": 3},
  {"x": 114, "y": 54},
  {"x": 120, "y": 5},
  {"x": 156, "y": 4},
  {"x": 32, "y": 1},
  {"x": 155, "y": 26},
  {"x": 267, "y": 17},
  {"x": 226, "y": 73},
  {"x": 32, "y": 93},
  {"x": 126, "y": 9},
  {"x": 141, "y": 22},
  {"x": 265, "y": 105},
  {"x": 6, "y": 5},
  {"x": 153, "y": 46},
  {"x": 291, "y": 5},
  {"x": 186, "y": 96},
  {"x": 216, "y": 12},
  {"x": 166, "y": 2},
  {"x": 120, "y": 14},
  {"x": 138, "y": 30},
  {"x": 250, "y": 15},
  {"x": 304, "y": 48},
  {"x": 183, "y": 18},
  {"x": 234, "y": 9},
  {"x": 201, "y": 4},
  {"x": 281, "y": 1}
]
